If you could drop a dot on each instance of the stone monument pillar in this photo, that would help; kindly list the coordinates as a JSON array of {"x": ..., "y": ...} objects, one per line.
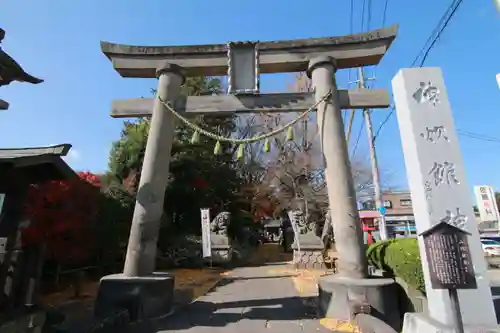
[
  {"x": 307, "y": 246},
  {"x": 139, "y": 289},
  {"x": 440, "y": 193}
]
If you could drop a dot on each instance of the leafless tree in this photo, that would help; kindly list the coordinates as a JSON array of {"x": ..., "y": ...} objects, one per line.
[{"x": 293, "y": 170}]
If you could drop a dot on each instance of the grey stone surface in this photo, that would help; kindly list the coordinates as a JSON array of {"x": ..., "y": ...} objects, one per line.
[
  {"x": 418, "y": 323},
  {"x": 307, "y": 246},
  {"x": 370, "y": 324},
  {"x": 140, "y": 259},
  {"x": 309, "y": 259},
  {"x": 253, "y": 300},
  {"x": 144, "y": 297},
  {"x": 341, "y": 195},
  {"x": 438, "y": 184},
  {"x": 337, "y": 295},
  {"x": 222, "y": 251},
  {"x": 221, "y": 254},
  {"x": 351, "y": 51}
]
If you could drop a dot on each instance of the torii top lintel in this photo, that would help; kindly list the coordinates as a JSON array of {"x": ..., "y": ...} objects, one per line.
[{"x": 357, "y": 50}]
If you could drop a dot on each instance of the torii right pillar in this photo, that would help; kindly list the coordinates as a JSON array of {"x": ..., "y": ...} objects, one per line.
[{"x": 350, "y": 291}]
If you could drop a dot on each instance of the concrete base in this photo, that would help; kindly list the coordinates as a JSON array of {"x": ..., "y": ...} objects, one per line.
[
  {"x": 309, "y": 259},
  {"x": 221, "y": 254},
  {"x": 342, "y": 298},
  {"x": 144, "y": 297},
  {"x": 419, "y": 322}
]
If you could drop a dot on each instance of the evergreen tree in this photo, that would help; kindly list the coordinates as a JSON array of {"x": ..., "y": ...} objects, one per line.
[{"x": 199, "y": 178}]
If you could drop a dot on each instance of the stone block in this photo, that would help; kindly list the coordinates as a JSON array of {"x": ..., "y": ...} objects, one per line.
[
  {"x": 221, "y": 254},
  {"x": 342, "y": 298},
  {"x": 419, "y": 322},
  {"x": 308, "y": 259},
  {"x": 144, "y": 297}
]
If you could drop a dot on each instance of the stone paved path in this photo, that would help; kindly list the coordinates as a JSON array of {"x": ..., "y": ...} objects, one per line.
[{"x": 249, "y": 300}]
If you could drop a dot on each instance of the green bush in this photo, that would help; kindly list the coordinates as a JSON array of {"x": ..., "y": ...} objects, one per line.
[
  {"x": 399, "y": 257},
  {"x": 375, "y": 252}
]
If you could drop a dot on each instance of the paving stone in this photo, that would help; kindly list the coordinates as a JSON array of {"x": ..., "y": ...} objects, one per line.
[{"x": 254, "y": 302}]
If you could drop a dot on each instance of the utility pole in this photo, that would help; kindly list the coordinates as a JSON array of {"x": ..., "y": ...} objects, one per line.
[{"x": 379, "y": 203}]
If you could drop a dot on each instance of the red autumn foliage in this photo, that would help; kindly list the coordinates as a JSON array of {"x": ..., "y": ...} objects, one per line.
[
  {"x": 200, "y": 183},
  {"x": 62, "y": 214}
]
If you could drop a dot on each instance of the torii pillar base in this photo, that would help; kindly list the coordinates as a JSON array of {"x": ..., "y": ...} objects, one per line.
[
  {"x": 4, "y": 105},
  {"x": 342, "y": 298},
  {"x": 134, "y": 298}
]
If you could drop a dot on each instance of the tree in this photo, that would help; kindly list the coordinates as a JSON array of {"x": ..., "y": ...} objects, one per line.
[
  {"x": 62, "y": 215},
  {"x": 195, "y": 172},
  {"x": 293, "y": 172},
  {"x": 127, "y": 153}
]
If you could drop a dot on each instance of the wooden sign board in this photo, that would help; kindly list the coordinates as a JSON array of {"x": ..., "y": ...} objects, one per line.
[
  {"x": 205, "y": 233},
  {"x": 449, "y": 257}
]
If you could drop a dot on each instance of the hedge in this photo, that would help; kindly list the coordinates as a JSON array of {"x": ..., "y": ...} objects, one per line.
[{"x": 399, "y": 257}]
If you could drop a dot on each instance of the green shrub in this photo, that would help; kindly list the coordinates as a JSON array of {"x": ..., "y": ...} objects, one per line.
[
  {"x": 374, "y": 253},
  {"x": 399, "y": 257}
]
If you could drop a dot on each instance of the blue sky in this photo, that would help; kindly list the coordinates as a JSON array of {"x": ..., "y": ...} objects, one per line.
[{"x": 58, "y": 40}]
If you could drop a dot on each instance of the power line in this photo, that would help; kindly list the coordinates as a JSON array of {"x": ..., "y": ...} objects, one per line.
[
  {"x": 478, "y": 136},
  {"x": 384, "y": 19},
  {"x": 384, "y": 14},
  {"x": 369, "y": 18},
  {"x": 452, "y": 9},
  {"x": 458, "y": 3},
  {"x": 367, "y": 6},
  {"x": 441, "y": 24},
  {"x": 357, "y": 140},
  {"x": 351, "y": 30}
]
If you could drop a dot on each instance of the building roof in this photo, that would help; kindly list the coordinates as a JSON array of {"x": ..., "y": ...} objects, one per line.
[{"x": 39, "y": 164}]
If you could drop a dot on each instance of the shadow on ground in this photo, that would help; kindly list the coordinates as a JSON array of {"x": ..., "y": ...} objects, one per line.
[
  {"x": 210, "y": 314},
  {"x": 218, "y": 309}
]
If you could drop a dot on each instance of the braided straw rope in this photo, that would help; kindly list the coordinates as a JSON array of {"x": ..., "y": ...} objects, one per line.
[{"x": 219, "y": 138}]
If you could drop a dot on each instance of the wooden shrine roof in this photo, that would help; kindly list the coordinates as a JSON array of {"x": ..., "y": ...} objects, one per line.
[{"x": 38, "y": 164}]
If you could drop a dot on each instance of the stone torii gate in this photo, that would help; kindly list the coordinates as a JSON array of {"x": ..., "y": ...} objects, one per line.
[{"x": 243, "y": 63}]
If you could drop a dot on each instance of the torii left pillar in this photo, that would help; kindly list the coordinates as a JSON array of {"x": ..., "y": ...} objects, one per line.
[{"x": 143, "y": 292}]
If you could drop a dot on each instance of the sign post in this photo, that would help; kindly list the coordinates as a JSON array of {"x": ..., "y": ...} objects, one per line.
[
  {"x": 450, "y": 264},
  {"x": 205, "y": 233},
  {"x": 486, "y": 203}
]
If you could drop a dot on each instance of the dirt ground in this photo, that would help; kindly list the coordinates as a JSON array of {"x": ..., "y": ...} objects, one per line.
[{"x": 196, "y": 281}]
